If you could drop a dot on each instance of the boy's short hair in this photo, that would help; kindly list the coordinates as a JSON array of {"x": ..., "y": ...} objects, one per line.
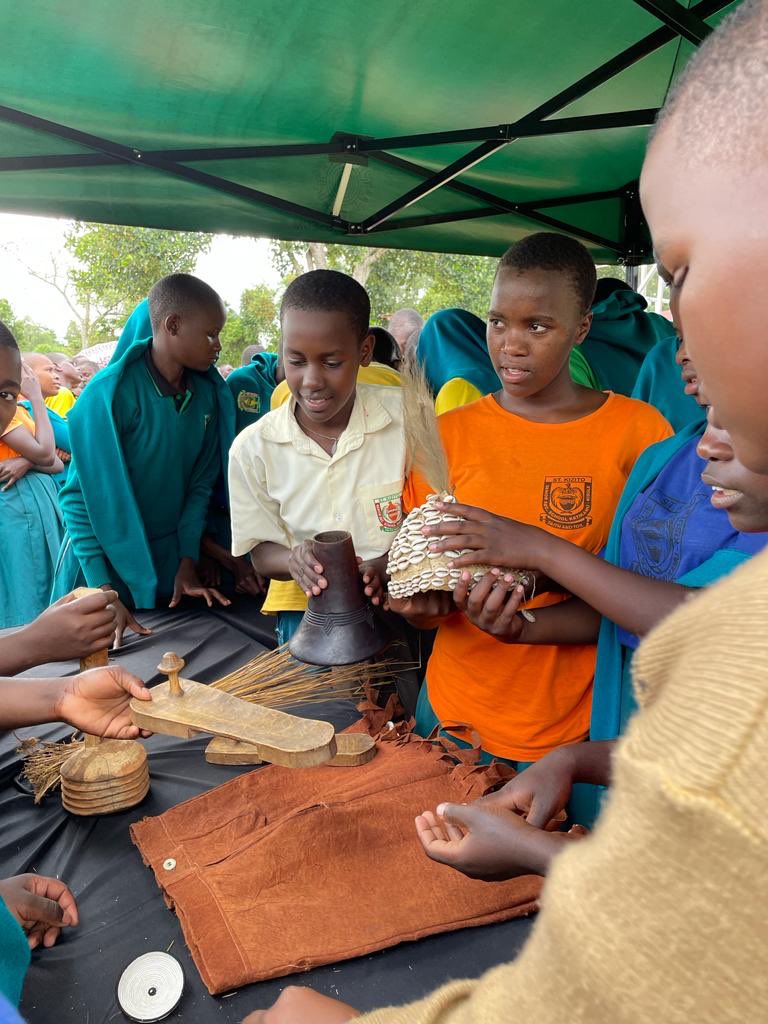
[
  {"x": 179, "y": 293},
  {"x": 332, "y": 292},
  {"x": 7, "y": 339},
  {"x": 546, "y": 250},
  {"x": 722, "y": 93}
]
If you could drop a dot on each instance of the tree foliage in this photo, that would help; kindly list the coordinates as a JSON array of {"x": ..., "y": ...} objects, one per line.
[
  {"x": 395, "y": 278},
  {"x": 116, "y": 265},
  {"x": 30, "y": 336},
  {"x": 256, "y": 322},
  {"x": 111, "y": 267}
]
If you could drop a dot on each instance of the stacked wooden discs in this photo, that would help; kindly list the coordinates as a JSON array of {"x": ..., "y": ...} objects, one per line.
[
  {"x": 105, "y": 776},
  {"x": 414, "y": 569}
]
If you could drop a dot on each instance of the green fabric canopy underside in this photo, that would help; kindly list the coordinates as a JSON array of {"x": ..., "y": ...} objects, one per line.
[{"x": 188, "y": 74}]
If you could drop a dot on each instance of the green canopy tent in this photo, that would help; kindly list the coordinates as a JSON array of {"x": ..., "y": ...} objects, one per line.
[{"x": 423, "y": 125}]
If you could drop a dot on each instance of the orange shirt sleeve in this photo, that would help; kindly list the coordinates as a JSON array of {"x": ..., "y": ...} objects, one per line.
[{"x": 21, "y": 418}]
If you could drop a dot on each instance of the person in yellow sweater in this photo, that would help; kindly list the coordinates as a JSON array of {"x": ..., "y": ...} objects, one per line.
[
  {"x": 70, "y": 382},
  {"x": 659, "y": 915}
]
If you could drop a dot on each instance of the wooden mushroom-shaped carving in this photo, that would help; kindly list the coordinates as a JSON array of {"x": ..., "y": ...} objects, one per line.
[{"x": 170, "y": 665}]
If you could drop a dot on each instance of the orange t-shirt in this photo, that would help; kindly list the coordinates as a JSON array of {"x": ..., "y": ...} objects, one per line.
[
  {"x": 21, "y": 418},
  {"x": 525, "y": 700}
]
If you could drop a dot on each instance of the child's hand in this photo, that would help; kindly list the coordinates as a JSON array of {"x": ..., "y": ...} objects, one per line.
[
  {"x": 97, "y": 701},
  {"x": 424, "y": 611},
  {"x": 12, "y": 470},
  {"x": 30, "y": 385},
  {"x": 73, "y": 627},
  {"x": 306, "y": 570},
  {"x": 63, "y": 455},
  {"x": 489, "y": 844},
  {"x": 540, "y": 792},
  {"x": 209, "y": 571},
  {"x": 124, "y": 620},
  {"x": 299, "y": 1005},
  {"x": 491, "y": 539},
  {"x": 42, "y": 906},
  {"x": 374, "y": 575},
  {"x": 481, "y": 843},
  {"x": 247, "y": 580},
  {"x": 187, "y": 584},
  {"x": 493, "y": 605}
]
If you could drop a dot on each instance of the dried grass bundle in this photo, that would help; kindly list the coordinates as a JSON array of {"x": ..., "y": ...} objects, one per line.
[
  {"x": 424, "y": 450},
  {"x": 276, "y": 680},
  {"x": 43, "y": 761}
]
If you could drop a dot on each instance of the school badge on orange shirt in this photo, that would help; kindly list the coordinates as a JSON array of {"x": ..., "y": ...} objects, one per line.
[
  {"x": 567, "y": 502},
  {"x": 389, "y": 512}
]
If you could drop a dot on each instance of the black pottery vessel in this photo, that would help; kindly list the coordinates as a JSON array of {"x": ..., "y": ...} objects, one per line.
[{"x": 340, "y": 626}]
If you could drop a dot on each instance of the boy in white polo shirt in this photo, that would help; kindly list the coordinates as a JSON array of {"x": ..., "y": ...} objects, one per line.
[{"x": 332, "y": 458}]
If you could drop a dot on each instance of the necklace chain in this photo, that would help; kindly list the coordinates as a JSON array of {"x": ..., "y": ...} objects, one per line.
[{"x": 325, "y": 437}]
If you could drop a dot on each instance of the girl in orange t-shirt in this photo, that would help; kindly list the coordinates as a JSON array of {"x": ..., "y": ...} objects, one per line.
[{"x": 544, "y": 451}]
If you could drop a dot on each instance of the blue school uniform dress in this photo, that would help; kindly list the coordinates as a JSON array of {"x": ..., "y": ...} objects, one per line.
[
  {"x": 665, "y": 528},
  {"x": 30, "y": 535},
  {"x": 145, "y": 460}
]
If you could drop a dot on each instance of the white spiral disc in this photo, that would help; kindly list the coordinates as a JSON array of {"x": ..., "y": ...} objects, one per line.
[{"x": 150, "y": 987}]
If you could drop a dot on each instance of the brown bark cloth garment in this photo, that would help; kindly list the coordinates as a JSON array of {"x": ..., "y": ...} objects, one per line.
[{"x": 281, "y": 870}]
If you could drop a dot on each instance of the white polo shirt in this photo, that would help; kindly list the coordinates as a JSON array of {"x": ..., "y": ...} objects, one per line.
[{"x": 285, "y": 488}]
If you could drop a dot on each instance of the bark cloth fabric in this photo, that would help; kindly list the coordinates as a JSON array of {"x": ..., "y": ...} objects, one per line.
[{"x": 280, "y": 870}]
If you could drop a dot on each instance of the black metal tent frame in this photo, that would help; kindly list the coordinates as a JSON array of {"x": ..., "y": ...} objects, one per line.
[{"x": 631, "y": 249}]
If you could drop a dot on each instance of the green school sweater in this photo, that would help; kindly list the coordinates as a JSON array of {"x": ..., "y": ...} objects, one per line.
[
  {"x": 252, "y": 386},
  {"x": 143, "y": 469}
]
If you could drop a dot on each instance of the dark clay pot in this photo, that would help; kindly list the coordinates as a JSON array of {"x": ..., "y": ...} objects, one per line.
[{"x": 339, "y": 626}]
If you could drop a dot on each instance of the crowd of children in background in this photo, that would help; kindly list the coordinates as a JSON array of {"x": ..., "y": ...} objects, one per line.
[{"x": 574, "y": 424}]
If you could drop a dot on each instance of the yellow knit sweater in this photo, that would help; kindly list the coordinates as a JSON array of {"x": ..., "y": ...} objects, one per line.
[{"x": 662, "y": 914}]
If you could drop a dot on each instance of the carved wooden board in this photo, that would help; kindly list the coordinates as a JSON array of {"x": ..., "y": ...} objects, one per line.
[
  {"x": 280, "y": 738},
  {"x": 352, "y": 748}
]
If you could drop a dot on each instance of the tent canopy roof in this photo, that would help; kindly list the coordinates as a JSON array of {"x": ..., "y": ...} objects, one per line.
[{"x": 427, "y": 125}]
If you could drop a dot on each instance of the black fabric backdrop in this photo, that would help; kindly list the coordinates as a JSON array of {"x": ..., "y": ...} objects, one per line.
[{"x": 122, "y": 913}]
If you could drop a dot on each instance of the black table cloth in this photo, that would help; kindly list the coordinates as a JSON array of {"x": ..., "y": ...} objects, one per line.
[{"x": 122, "y": 913}]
